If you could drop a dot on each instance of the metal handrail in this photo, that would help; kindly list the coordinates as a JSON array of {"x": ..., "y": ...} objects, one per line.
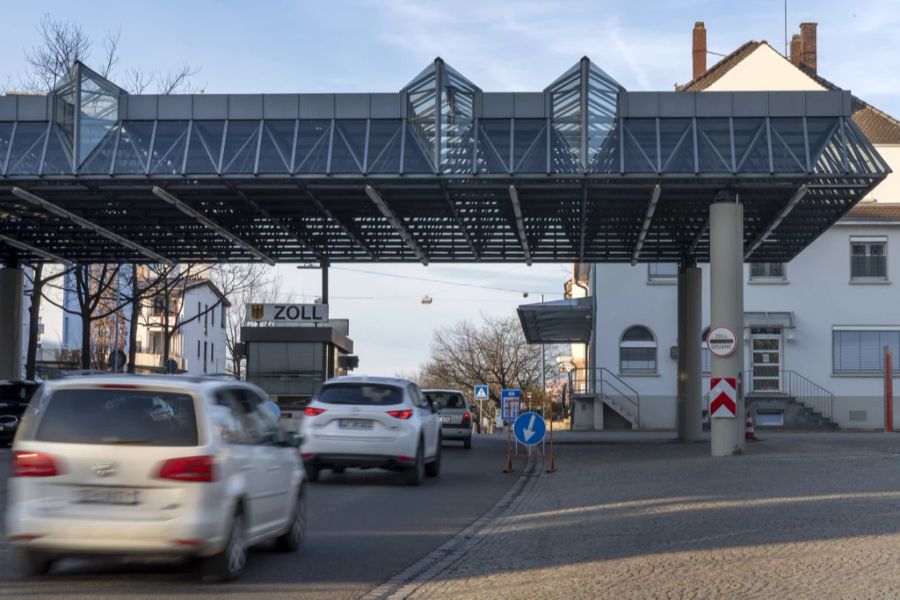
[
  {"x": 591, "y": 383},
  {"x": 801, "y": 388}
]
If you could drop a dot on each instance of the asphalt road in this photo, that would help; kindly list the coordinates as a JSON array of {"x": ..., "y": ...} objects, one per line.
[{"x": 364, "y": 527}]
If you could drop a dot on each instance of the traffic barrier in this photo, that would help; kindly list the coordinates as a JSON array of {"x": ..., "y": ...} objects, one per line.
[{"x": 749, "y": 433}]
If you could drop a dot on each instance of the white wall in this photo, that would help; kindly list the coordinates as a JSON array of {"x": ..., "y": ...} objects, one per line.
[
  {"x": 764, "y": 69},
  {"x": 889, "y": 189},
  {"x": 205, "y": 330}
]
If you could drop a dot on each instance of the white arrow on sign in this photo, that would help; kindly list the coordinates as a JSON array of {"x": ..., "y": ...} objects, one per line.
[{"x": 529, "y": 431}]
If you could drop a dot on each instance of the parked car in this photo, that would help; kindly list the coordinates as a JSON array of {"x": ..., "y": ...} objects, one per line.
[
  {"x": 456, "y": 417},
  {"x": 153, "y": 465},
  {"x": 14, "y": 397},
  {"x": 372, "y": 422}
]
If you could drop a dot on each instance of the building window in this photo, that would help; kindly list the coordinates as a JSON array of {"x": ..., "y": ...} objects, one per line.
[
  {"x": 205, "y": 318},
  {"x": 861, "y": 351},
  {"x": 222, "y": 315},
  {"x": 662, "y": 272},
  {"x": 198, "y": 348},
  {"x": 212, "y": 352},
  {"x": 868, "y": 259},
  {"x": 767, "y": 271},
  {"x": 637, "y": 351}
]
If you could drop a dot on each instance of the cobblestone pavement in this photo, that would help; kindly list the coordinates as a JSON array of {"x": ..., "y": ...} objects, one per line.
[{"x": 797, "y": 516}]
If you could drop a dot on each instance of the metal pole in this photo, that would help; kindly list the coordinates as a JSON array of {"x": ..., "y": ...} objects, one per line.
[
  {"x": 888, "y": 390},
  {"x": 543, "y": 379},
  {"x": 324, "y": 263},
  {"x": 690, "y": 376},
  {"x": 726, "y": 250},
  {"x": 12, "y": 281}
]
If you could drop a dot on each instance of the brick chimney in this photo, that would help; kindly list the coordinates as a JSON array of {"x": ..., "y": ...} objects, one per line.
[
  {"x": 808, "y": 46},
  {"x": 699, "y": 49},
  {"x": 795, "y": 49}
]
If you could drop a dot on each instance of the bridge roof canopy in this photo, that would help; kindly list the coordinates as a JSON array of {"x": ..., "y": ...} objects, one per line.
[{"x": 440, "y": 171}]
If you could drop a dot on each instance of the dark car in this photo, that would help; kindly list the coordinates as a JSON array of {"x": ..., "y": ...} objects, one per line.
[{"x": 14, "y": 398}]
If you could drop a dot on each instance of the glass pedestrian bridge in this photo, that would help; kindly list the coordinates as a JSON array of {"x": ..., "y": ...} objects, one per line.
[{"x": 438, "y": 172}]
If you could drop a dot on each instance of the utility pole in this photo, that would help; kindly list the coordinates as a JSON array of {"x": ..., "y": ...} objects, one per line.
[{"x": 543, "y": 379}]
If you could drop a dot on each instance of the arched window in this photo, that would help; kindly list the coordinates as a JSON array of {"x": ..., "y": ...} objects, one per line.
[{"x": 637, "y": 351}]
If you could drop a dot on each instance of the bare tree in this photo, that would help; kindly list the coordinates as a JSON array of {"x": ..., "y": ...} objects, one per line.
[
  {"x": 39, "y": 277},
  {"x": 249, "y": 283},
  {"x": 494, "y": 353}
]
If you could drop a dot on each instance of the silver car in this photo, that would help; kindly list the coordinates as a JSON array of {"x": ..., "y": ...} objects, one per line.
[
  {"x": 456, "y": 417},
  {"x": 157, "y": 466}
]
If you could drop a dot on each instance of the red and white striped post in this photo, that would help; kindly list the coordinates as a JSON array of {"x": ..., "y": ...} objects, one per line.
[{"x": 888, "y": 389}]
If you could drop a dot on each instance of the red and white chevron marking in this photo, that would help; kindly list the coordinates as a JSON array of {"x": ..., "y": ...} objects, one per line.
[{"x": 723, "y": 397}]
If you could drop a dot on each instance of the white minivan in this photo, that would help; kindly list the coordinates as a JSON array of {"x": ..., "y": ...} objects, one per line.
[{"x": 153, "y": 466}]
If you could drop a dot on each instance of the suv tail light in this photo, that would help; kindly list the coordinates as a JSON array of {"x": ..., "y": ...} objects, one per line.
[
  {"x": 312, "y": 411},
  {"x": 34, "y": 464},
  {"x": 400, "y": 414},
  {"x": 467, "y": 418},
  {"x": 189, "y": 468}
]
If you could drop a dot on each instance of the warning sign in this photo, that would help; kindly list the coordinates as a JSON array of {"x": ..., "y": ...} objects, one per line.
[
  {"x": 721, "y": 341},
  {"x": 723, "y": 397}
]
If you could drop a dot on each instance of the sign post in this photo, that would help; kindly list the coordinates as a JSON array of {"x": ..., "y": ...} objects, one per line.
[{"x": 509, "y": 411}]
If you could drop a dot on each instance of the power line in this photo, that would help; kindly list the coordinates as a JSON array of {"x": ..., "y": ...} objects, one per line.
[{"x": 445, "y": 282}]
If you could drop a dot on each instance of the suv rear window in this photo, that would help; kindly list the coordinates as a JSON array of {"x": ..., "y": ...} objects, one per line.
[
  {"x": 117, "y": 416},
  {"x": 360, "y": 393},
  {"x": 447, "y": 399}
]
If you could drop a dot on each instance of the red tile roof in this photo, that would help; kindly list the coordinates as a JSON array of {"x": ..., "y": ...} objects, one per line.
[{"x": 872, "y": 211}]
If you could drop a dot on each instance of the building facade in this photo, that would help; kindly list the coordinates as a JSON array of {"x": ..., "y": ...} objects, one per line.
[{"x": 815, "y": 329}]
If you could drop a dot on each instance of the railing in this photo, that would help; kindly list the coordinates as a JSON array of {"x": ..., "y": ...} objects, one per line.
[
  {"x": 796, "y": 386},
  {"x": 607, "y": 384}
]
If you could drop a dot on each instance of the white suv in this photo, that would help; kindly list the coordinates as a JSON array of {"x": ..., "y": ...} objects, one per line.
[
  {"x": 367, "y": 422},
  {"x": 153, "y": 465}
]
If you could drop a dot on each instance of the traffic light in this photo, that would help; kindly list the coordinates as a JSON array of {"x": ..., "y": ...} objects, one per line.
[{"x": 348, "y": 361}]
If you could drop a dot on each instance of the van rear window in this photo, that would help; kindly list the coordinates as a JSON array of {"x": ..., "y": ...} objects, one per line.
[
  {"x": 360, "y": 393},
  {"x": 118, "y": 416}
]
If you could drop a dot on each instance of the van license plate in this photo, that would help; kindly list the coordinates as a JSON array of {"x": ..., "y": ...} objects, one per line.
[
  {"x": 446, "y": 419},
  {"x": 355, "y": 424},
  {"x": 99, "y": 495}
]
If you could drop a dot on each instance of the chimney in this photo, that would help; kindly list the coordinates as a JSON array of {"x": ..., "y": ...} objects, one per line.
[
  {"x": 808, "y": 46},
  {"x": 795, "y": 50},
  {"x": 699, "y": 49}
]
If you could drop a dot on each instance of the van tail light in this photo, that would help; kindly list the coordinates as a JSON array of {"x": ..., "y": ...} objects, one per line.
[
  {"x": 400, "y": 414},
  {"x": 467, "y": 418},
  {"x": 189, "y": 468},
  {"x": 312, "y": 411},
  {"x": 34, "y": 464}
]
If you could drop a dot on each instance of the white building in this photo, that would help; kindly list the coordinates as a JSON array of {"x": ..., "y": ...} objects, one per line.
[
  {"x": 197, "y": 320},
  {"x": 815, "y": 328}
]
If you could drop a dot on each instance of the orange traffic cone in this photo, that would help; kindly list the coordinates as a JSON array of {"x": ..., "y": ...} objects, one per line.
[{"x": 749, "y": 433}]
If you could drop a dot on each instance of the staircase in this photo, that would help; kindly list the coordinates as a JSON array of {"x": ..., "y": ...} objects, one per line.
[
  {"x": 604, "y": 385},
  {"x": 803, "y": 403}
]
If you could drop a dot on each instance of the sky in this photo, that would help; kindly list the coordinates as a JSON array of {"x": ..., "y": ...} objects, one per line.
[{"x": 510, "y": 45}]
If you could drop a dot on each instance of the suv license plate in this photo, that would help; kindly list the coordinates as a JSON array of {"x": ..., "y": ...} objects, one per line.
[
  {"x": 99, "y": 495},
  {"x": 355, "y": 424}
]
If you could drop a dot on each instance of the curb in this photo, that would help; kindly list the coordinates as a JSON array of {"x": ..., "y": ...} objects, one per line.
[{"x": 430, "y": 567}]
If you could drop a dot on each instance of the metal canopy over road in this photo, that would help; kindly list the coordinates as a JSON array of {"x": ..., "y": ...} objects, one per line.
[{"x": 441, "y": 171}]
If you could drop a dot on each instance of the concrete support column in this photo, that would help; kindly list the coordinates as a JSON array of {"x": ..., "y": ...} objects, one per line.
[
  {"x": 11, "y": 289},
  {"x": 690, "y": 377},
  {"x": 726, "y": 266}
]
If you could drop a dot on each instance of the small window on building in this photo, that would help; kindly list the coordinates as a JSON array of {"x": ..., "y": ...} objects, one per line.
[
  {"x": 199, "y": 309},
  {"x": 868, "y": 259},
  {"x": 222, "y": 316},
  {"x": 637, "y": 351},
  {"x": 770, "y": 271},
  {"x": 212, "y": 352},
  {"x": 861, "y": 351},
  {"x": 198, "y": 348},
  {"x": 205, "y": 317},
  {"x": 662, "y": 272}
]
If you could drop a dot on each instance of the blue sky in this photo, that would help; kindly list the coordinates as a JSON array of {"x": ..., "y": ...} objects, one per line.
[{"x": 367, "y": 46}]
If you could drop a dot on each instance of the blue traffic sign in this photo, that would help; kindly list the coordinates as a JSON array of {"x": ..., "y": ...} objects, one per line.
[
  {"x": 530, "y": 428},
  {"x": 482, "y": 392},
  {"x": 509, "y": 403}
]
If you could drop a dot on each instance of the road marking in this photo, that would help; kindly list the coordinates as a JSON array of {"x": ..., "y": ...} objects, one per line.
[{"x": 459, "y": 546}]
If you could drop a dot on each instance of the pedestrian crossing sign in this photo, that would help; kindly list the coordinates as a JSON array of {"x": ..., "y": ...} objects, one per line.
[{"x": 481, "y": 392}]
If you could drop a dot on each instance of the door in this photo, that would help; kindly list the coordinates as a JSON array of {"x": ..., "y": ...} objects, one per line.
[{"x": 765, "y": 360}]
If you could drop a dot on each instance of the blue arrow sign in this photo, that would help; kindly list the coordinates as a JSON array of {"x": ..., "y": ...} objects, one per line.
[
  {"x": 530, "y": 428},
  {"x": 481, "y": 392}
]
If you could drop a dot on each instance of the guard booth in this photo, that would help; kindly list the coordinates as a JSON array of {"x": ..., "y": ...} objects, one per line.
[{"x": 290, "y": 349}]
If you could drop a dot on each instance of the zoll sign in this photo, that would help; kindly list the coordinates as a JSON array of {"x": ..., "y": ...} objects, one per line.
[
  {"x": 286, "y": 313},
  {"x": 722, "y": 397},
  {"x": 721, "y": 341}
]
